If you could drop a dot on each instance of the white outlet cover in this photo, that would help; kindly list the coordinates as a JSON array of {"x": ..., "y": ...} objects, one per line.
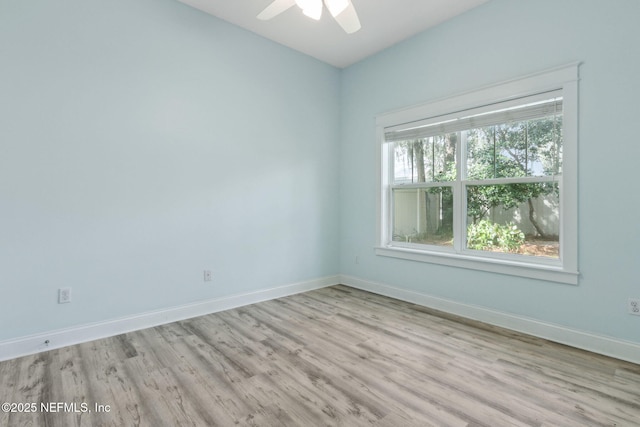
[{"x": 64, "y": 295}]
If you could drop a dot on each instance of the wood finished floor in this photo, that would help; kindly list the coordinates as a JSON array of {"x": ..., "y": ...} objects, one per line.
[{"x": 331, "y": 357}]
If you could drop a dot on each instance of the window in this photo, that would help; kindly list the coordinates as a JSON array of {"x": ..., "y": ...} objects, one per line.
[{"x": 485, "y": 180}]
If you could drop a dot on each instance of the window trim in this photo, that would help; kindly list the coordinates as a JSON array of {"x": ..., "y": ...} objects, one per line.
[{"x": 563, "y": 270}]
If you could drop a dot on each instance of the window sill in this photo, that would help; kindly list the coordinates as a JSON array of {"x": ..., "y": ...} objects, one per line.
[{"x": 493, "y": 265}]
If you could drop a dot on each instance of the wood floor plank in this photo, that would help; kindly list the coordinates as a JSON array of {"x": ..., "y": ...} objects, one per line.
[
  {"x": 222, "y": 389},
  {"x": 335, "y": 356}
]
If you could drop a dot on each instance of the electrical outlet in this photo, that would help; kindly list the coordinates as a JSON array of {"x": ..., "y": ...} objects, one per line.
[
  {"x": 207, "y": 275},
  {"x": 64, "y": 295},
  {"x": 634, "y": 306}
]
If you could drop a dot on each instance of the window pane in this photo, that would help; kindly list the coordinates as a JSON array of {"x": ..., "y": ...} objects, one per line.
[
  {"x": 518, "y": 149},
  {"x": 423, "y": 215},
  {"x": 481, "y": 153},
  {"x": 430, "y": 159},
  {"x": 517, "y": 218},
  {"x": 545, "y": 146}
]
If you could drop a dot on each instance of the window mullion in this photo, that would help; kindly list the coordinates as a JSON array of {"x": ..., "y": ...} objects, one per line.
[
  {"x": 459, "y": 202},
  {"x": 391, "y": 200},
  {"x": 518, "y": 180},
  {"x": 387, "y": 193}
]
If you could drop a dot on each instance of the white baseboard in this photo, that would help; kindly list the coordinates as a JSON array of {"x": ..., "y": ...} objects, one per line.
[
  {"x": 607, "y": 346},
  {"x": 23, "y": 346},
  {"x": 620, "y": 349}
]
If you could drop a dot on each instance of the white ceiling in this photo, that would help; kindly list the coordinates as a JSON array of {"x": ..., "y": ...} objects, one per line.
[{"x": 384, "y": 23}]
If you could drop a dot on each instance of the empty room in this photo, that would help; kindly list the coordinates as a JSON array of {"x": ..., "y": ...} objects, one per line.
[{"x": 319, "y": 213}]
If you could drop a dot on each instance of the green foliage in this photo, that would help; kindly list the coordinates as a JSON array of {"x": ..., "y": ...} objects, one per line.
[
  {"x": 482, "y": 198},
  {"x": 522, "y": 149},
  {"x": 486, "y": 235},
  {"x": 511, "y": 151}
]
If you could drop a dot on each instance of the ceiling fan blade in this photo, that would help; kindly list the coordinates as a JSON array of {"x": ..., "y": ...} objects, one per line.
[
  {"x": 336, "y": 6},
  {"x": 348, "y": 19},
  {"x": 275, "y": 8}
]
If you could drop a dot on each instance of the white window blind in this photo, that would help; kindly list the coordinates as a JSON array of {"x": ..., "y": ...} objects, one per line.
[{"x": 531, "y": 107}]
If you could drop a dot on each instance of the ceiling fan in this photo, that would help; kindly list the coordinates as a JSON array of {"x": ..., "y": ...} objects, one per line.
[{"x": 342, "y": 11}]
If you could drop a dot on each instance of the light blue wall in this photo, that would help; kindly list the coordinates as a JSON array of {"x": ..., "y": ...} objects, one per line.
[
  {"x": 500, "y": 40},
  {"x": 141, "y": 142}
]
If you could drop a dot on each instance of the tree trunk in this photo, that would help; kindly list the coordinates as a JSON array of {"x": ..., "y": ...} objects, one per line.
[
  {"x": 418, "y": 152},
  {"x": 532, "y": 218},
  {"x": 451, "y": 143}
]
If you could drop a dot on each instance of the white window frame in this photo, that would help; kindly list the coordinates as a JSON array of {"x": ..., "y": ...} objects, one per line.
[{"x": 562, "y": 270}]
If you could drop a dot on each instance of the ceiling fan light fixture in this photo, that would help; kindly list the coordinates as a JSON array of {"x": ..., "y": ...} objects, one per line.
[
  {"x": 342, "y": 11},
  {"x": 336, "y": 7},
  {"x": 313, "y": 12},
  {"x": 311, "y": 8}
]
